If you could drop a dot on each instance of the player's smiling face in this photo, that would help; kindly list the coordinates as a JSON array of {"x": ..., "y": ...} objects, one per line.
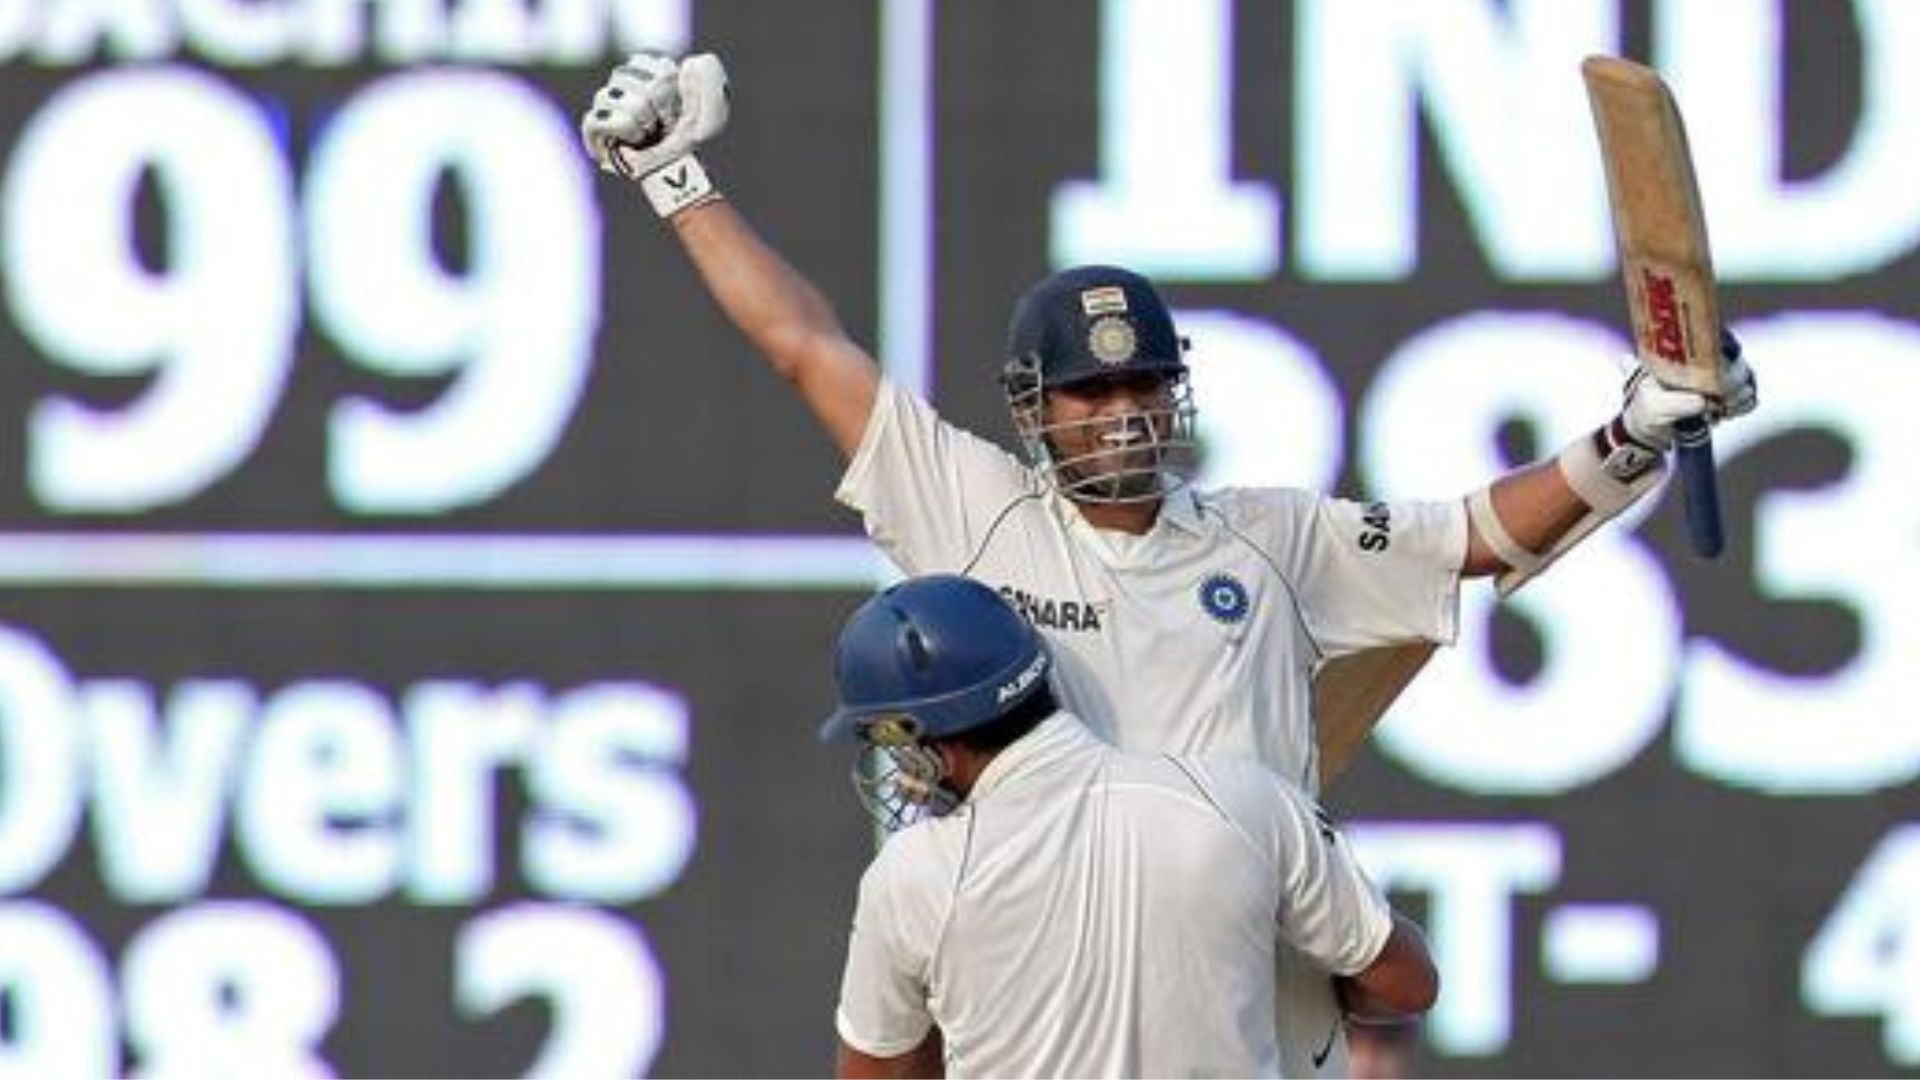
[{"x": 1109, "y": 435}]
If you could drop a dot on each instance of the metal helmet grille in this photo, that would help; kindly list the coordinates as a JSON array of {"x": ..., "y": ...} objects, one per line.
[
  {"x": 899, "y": 785},
  {"x": 1135, "y": 457},
  {"x": 1089, "y": 324},
  {"x": 926, "y": 660}
]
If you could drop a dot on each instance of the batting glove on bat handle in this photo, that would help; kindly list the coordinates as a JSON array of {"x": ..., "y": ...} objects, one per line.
[
  {"x": 1739, "y": 390},
  {"x": 1652, "y": 411}
]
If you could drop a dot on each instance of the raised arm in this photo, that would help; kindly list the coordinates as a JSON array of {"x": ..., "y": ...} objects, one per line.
[
  {"x": 784, "y": 317},
  {"x": 644, "y": 125},
  {"x": 1526, "y": 519},
  {"x": 1536, "y": 507}
]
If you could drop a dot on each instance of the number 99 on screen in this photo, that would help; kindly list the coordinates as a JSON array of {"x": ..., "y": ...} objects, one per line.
[{"x": 251, "y": 250}]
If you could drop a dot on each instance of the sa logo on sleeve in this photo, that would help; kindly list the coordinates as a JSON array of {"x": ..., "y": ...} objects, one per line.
[{"x": 1379, "y": 528}]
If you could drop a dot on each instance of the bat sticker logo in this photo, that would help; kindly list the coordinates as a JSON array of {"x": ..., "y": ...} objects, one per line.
[{"x": 1663, "y": 317}]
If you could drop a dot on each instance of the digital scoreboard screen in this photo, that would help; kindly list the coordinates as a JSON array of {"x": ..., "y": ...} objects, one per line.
[{"x": 416, "y": 601}]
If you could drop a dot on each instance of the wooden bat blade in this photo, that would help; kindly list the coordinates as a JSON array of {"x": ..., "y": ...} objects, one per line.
[
  {"x": 1659, "y": 226},
  {"x": 1351, "y": 693},
  {"x": 1665, "y": 260},
  {"x": 1668, "y": 269}
]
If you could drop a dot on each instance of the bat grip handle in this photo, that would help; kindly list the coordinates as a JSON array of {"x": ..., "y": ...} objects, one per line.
[{"x": 1693, "y": 451}]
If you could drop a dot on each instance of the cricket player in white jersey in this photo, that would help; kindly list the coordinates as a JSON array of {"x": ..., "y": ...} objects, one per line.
[
  {"x": 1181, "y": 620},
  {"x": 1056, "y": 907}
]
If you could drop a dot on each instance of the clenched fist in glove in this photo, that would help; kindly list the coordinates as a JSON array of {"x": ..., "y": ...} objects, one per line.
[
  {"x": 1652, "y": 410},
  {"x": 649, "y": 118},
  {"x": 1632, "y": 444},
  {"x": 1619, "y": 462}
]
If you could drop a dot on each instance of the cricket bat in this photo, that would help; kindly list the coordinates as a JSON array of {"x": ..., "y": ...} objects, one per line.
[
  {"x": 1665, "y": 263},
  {"x": 1667, "y": 268}
]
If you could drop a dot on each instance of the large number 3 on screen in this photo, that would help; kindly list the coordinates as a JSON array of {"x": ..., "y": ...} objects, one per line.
[
  {"x": 1606, "y": 618},
  {"x": 214, "y": 324}
]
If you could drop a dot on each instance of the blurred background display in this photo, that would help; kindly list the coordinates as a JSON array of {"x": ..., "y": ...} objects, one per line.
[{"x": 416, "y": 601}]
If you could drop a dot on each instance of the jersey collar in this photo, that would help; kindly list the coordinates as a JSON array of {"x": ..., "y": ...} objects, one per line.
[
  {"x": 1058, "y": 734},
  {"x": 1182, "y": 511},
  {"x": 1179, "y": 511}
]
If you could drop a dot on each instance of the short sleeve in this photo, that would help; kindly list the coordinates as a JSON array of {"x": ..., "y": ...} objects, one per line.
[
  {"x": 927, "y": 491},
  {"x": 1329, "y": 909},
  {"x": 1324, "y": 903},
  {"x": 1380, "y": 573},
  {"x": 883, "y": 991}
]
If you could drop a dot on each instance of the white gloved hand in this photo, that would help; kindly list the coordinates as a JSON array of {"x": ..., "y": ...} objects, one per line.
[
  {"x": 1652, "y": 410},
  {"x": 632, "y": 111},
  {"x": 653, "y": 111},
  {"x": 1739, "y": 392}
]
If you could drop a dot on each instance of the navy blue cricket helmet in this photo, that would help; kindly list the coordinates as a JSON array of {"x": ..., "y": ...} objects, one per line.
[
  {"x": 942, "y": 651},
  {"x": 1100, "y": 322},
  {"x": 1090, "y": 322}
]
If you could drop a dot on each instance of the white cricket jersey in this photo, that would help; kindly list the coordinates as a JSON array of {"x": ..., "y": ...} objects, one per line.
[
  {"x": 1202, "y": 636},
  {"x": 1088, "y": 912}
]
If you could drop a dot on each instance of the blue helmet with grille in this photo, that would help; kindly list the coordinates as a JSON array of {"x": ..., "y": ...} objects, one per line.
[
  {"x": 1094, "y": 323},
  {"x": 932, "y": 657}
]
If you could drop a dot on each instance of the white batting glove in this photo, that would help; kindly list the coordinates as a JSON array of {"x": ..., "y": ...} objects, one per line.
[
  {"x": 1652, "y": 410},
  {"x": 1739, "y": 391},
  {"x": 649, "y": 118},
  {"x": 631, "y": 112}
]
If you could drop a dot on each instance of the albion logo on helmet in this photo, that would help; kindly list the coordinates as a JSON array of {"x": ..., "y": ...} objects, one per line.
[{"x": 1023, "y": 681}]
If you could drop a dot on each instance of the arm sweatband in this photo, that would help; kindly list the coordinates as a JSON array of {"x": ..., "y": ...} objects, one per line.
[{"x": 1584, "y": 463}]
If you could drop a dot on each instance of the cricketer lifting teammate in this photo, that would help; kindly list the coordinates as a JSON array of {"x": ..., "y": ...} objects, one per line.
[
  {"x": 1069, "y": 909},
  {"x": 1180, "y": 620}
]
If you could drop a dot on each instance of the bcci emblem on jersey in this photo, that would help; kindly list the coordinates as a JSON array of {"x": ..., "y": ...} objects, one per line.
[{"x": 1225, "y": 599}]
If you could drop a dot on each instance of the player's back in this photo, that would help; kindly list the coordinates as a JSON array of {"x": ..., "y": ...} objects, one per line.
[{"x": 1103, "y": 916}]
